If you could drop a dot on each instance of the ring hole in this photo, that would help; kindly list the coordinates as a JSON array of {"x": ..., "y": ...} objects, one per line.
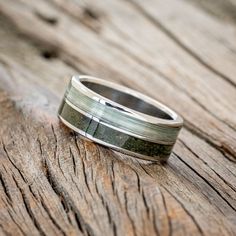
[{"x": 127, "y": 100}]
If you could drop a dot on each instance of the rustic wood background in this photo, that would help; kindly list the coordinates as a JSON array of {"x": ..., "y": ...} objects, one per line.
[{"x": 180, "y": 52}]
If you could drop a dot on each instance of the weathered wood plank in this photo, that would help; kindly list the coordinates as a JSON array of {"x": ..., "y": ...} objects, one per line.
[
  {"x": 205, "y": 38},
  {"x": 77, "y": 46},
  {"x": 54, "y": 183},
  {"x": 222, "y": 9}
]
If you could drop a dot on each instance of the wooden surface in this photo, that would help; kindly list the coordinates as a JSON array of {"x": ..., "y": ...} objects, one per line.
[{"x": 182, "y": 53}]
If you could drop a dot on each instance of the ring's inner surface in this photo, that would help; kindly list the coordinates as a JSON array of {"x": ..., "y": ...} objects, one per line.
[{"x": 127, "y": 100}]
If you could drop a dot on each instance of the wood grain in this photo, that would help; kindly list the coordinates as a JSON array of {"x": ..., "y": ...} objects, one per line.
[{"x": 53, "y": 182}]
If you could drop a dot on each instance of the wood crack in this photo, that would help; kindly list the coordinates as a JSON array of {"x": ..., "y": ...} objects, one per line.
[
  {"x": 18, "y": 225},
  {"x": 51, "y": 217},
  {"x": 197, "y": 156},
  {"x": 128, "y": 214},
  {"x": 138, "y": 180},
  {"x": 113, "y": 178},
  {"x": 40, "y": 146},
  {"x": 106, "y": 207},
  {"x": 145, "y": 203},
  {"x": 85, "y": 176},
  {"x": 28, "y": 209},
  {"x": 68, "y": 202},
  {"x": 56, "y": 157},
  {"x": 73, "y": 161},
  {"x": 187, "y": 212},
  {"x": 154, "y": 223},
  {"x": 3, "y": 230},
  {"x": 5, "y": 189},
  {"x": 226, "y": 151},
  {"x": 55, "y": 137},
  {"x": 14, "y": 165},
  {"x": 167, "y": 214},
  {"x": 206, "y": 181}
]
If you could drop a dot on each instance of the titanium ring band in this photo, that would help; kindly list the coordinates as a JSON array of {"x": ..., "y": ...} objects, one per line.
[{"x": 120, "y": 118}]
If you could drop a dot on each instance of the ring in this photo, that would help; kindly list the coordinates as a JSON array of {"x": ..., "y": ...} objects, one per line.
[{"x": 120, "y": 118}]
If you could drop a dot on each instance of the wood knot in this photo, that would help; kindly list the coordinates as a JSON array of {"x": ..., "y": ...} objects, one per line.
[
  {"x": 92, "y": 18},
  {"x": 49, "y": 54},
  {"x": 91, "y": 13},
  {"x": 47, "y": 18}
]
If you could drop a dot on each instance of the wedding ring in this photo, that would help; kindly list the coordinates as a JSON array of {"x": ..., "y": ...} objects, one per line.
[{"x": 120, "y": 118}]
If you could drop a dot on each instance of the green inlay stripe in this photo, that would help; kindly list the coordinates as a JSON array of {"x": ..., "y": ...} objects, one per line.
[{"x": 112, "y": 136}]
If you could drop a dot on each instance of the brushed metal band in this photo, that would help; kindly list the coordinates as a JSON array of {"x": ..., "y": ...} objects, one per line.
[{"x": 120, "y": 118}]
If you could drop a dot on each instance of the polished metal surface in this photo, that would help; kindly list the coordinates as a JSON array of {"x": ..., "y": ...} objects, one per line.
[{"x": 115, "y": 109}]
